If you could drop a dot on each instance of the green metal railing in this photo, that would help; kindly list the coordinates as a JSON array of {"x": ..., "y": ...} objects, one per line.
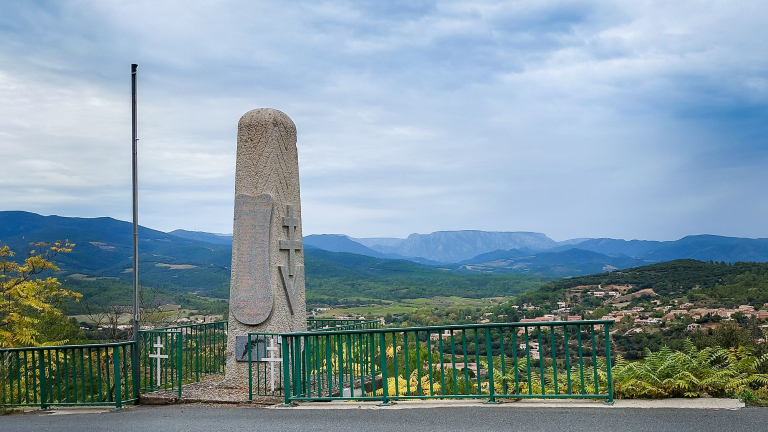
[
  {"x": 103, "y": 374},
  {"x": 338, "y": 359},
  {"x": 99, "y": 374},
  {"x": 265, "y": 376},
  {"x": 194, "y": 352},
  {"x": 265, "y": 379},
  {"x": 489, "y": 361},
  {"x": 161, "y": 361}
]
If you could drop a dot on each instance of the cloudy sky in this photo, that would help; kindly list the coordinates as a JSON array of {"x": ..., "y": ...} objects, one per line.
[{"x": 641, "y": 119}]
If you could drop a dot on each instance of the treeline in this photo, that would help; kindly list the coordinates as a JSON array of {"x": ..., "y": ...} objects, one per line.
[
  {"x": 668, "y": 278},
  {"x": 101, "y": 293},
  {"x": 727, "y": 285},
  {"x": 342, "y": 278}
]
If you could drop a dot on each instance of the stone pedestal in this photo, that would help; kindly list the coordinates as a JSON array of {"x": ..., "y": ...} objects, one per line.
[{"x": 267, "y": 285}]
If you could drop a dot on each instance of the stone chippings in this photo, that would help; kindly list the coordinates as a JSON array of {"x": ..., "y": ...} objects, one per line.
[
  {"x": 267, "y": 163},
  {"x": 211, "y": 390}
]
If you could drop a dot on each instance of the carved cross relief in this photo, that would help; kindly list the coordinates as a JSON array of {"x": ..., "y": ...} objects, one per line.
[{"x": 292, "y": 245}]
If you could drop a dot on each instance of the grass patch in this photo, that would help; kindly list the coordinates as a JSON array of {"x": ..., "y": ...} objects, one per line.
[{"x": 406, "y": 306}]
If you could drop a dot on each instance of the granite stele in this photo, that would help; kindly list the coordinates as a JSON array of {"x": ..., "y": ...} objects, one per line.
[{"x": 267, "y": 286}]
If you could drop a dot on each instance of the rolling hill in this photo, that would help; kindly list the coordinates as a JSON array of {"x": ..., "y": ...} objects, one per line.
[
  {"x": 698, "y": 247},
  {"x": 483, "y": 248},
  {"x": 200, "y": 264},
  {"x": 455, "y": 246},
  {"x": 568, "y": 263}
]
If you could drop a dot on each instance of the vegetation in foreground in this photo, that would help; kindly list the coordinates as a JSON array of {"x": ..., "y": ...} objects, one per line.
[
  {"x": 30, "y": 311},
  {"x": 693, "y": 372}
]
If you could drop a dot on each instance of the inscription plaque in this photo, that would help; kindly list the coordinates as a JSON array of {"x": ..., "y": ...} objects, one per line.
[
  {"x": 259, "y": 344},
  {"x": 251, "y": 296}
]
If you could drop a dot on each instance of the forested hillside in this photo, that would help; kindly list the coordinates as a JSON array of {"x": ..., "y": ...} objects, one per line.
[
  {"x": 342, "y": 278},
  {"x": 674, "y": 278},
  {"x": 660, "y": 304}
]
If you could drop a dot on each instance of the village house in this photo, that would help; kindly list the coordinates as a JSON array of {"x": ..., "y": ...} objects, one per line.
[
  {"x": 446, "y": 334},
  {"x": 532, "y": 345}
]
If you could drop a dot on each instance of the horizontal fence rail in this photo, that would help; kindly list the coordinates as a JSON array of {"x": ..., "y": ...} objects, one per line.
[
  {"x": 516, "y": 360},
  {"x": 322, "y": 324},
  {"x": 99, "y": 374}
]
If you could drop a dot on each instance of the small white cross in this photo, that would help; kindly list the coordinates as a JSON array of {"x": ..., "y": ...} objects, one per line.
[
  {"x": 158, "y": 358},
  {"x": 272, "y": 360}
]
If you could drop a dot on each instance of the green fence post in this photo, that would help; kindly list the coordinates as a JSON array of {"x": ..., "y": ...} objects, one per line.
[
  {"x": 179, "y": 359},
  {"x": 43, "y": 381},
  {"x": 608, "y": 364},
  {"x": 489, "y": 349},
  {"x": 286, "y": 371},
  {"x": 135, "y": 367},
  {"x": 116, "y": 364},
  {"x": 383, "y": 357},
  {"x": 197, "y": 354},
  {"x": 250, "y": 369}
]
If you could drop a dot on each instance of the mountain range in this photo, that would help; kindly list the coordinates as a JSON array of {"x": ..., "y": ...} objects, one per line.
[
  {"x": 471, "y": 247},
  {"x": 483, "y": 247},
  {"x": 104, "y": 249},
  {"x": 194, "y": 262}
]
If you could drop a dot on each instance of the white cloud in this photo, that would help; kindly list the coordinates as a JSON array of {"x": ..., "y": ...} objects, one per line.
[{"x": 570, "y": 118}]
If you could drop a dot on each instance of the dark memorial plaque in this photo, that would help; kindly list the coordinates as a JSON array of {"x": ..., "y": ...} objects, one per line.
[
  {"x": 259, "y": 344},
  {"x": 251, "y": 291}
]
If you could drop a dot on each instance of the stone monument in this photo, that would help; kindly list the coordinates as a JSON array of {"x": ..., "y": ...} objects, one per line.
[{"x": 267, "y": 285}]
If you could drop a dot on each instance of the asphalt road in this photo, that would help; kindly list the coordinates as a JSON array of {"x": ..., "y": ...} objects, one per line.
[{"x": 189, "y": 418}]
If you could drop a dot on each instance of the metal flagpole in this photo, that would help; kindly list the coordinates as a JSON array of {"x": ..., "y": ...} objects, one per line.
[{"x": 135, "y": 351}]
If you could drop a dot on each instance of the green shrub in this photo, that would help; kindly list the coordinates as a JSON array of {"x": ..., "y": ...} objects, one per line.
[{"x": 712, "y": 371}]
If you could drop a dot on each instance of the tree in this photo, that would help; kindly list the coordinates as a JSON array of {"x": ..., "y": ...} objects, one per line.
[{"x": 30, "y": 300}]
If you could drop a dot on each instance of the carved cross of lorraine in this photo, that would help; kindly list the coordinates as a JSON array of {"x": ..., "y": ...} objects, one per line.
[{"x": 292, "y": 245}]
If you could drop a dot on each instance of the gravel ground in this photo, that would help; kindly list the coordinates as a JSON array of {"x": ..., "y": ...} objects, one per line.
[{"x": 210, "y": 390}]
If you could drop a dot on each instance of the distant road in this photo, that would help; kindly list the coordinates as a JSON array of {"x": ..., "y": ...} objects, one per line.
[{"x": 189, "y": 418}]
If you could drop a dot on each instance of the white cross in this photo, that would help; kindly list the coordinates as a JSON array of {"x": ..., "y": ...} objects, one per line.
[
  {"x": 272, "y": 360},
  {"x": 158, "y": 358}
]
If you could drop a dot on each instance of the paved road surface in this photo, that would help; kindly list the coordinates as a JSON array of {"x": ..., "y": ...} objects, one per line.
[{"x": 189, "y": 418}]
